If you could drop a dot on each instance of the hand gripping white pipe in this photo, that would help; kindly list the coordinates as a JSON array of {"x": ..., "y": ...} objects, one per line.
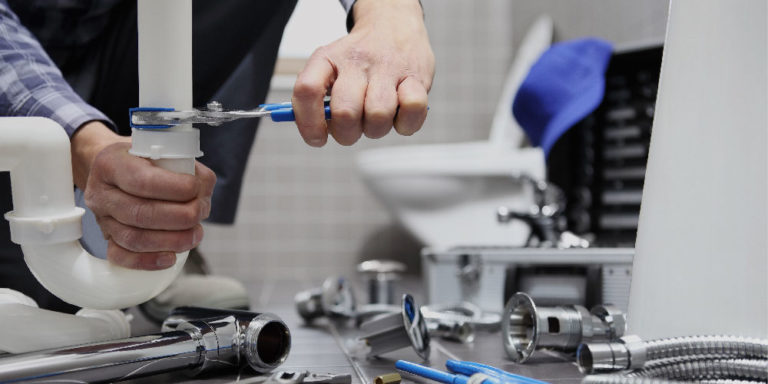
[{"x": 45, "y": 221}]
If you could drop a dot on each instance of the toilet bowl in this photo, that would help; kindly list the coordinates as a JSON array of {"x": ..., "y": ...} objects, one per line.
[{"x": 447, "y": 194}]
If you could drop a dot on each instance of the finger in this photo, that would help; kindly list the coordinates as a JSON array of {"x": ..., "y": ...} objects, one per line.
[
  {"x": 150, "y": 214},
  {"x": 141, "y": 178},
  {"x": 147, "y": 261},
  {"x": 412, "y": 112},
  {"x": 380, "y": 108},
  {"x": 207, "y": 178},
  {"x": 311, "y": 86},
  {"x": 143, "y": 240},
  {"x": 347, "y": 100}
]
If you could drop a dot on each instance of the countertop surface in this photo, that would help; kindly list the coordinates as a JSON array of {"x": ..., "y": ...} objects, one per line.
[{"x": 323, "y": 346}]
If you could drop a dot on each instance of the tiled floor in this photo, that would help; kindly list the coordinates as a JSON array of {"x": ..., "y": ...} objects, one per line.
[{"x": 322, "y": 347}]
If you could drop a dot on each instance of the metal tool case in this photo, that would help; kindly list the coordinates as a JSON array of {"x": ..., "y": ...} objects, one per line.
[{"x": 487, "y": 276}]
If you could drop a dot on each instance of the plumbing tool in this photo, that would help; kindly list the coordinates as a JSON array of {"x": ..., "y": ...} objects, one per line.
[
  {"x": 390, "y": 332},
  {"x": 389, "y": 378},
  {"x": 527, "y": 327},
  {"x": 464, "y": 312},
  {"x": 261, "y": 341},
  {"x": 440, "y": 376},
  {"x": 380, "y": 276},
  {"x": 454, "y": 330},
  {"x": 469, "y": 368},
  {"x": 299, "y": 377},
  {"x": 213, "y": 114},
  {"x": 334, "y": 299},
  {"x": 465, "y": 372}
]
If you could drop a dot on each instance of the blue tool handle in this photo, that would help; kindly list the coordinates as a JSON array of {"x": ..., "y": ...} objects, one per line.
[
  {"x": 430, "y": 373},
  {"x": 286, "y": 114},
  {"x": 469, "y": 368},
  {"x": 274, "y": 106}
]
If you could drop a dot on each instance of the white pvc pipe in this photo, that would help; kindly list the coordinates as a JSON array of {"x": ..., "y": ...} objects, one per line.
[
  {"x": 165, "y": 80},
  {"x": 46, "y": 223},
  {"x": 29, "y": 328}
]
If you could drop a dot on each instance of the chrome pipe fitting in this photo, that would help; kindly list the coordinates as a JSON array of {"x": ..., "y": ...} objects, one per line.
[
  {"x": 454, "y": 330},
  {"x": 261, "y": 341},
  {"x": 390, "y": 332},
  {"x": 333, "y": 299},
  {"x": 526, "y": 327},
  {"x": 627, "y": 352},
  {"x": 464, "y": 312},
  {"x": 380, "y": 277},
  {"x": 630, "y": 352}
]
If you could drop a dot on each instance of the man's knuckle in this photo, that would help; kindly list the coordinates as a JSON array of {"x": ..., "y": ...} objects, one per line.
[
  {"x": 208, "y": 176},
  {"x": 212, "y": 179},
  {"x": 361, "y": 56},
  {"x": 346, "y": 114},
  {"x": 379, "y": 115},
  {"x": 90, "y": 198},
  {"x": 190, "y": 214},
  {"x": 190, "y": 187},
  {"x": 185, "y": 241},
  {"x": 306, "y": 88}
]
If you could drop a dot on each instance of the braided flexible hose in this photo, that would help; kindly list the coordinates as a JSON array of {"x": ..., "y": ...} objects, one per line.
[
  {"x": 706, "y": 370},
  {"x": 621, "y": 379},
  {"x": 630, "y": 352},
  {"x": 704, "y": 346}
]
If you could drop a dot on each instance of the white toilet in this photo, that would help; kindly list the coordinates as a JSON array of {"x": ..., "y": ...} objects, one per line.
[{"x": 447, "y": 194}]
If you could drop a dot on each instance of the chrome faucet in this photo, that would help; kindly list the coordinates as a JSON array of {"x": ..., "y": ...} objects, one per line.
[{"x": 545, "y": 218}]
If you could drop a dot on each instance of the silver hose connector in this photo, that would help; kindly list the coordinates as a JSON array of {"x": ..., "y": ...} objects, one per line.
[
  {"x": 333, "y": 299},
  {"x": 526, "y": 327},
  {"x": 630, "y": 352},
  {"x": 627, "y": 352}
]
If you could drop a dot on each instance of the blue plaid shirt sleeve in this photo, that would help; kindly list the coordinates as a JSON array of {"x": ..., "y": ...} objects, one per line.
[{"x": 31, "y": 84}]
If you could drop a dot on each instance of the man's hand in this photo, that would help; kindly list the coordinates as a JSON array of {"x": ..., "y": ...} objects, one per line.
[
  {"x": 378, "y": 75},
  {"x": 147, "y": 213}
]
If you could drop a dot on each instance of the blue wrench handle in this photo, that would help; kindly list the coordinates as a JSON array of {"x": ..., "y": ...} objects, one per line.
[{"x": 286, "y": 114}]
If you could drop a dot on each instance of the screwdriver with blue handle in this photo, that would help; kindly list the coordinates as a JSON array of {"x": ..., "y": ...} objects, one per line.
[
  {"x": 465, "y": 372},
  {"x": 213, "y": 114}
]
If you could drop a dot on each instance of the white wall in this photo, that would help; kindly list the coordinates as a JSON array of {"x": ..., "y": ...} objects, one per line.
[{"x": 314, "y": 23}]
